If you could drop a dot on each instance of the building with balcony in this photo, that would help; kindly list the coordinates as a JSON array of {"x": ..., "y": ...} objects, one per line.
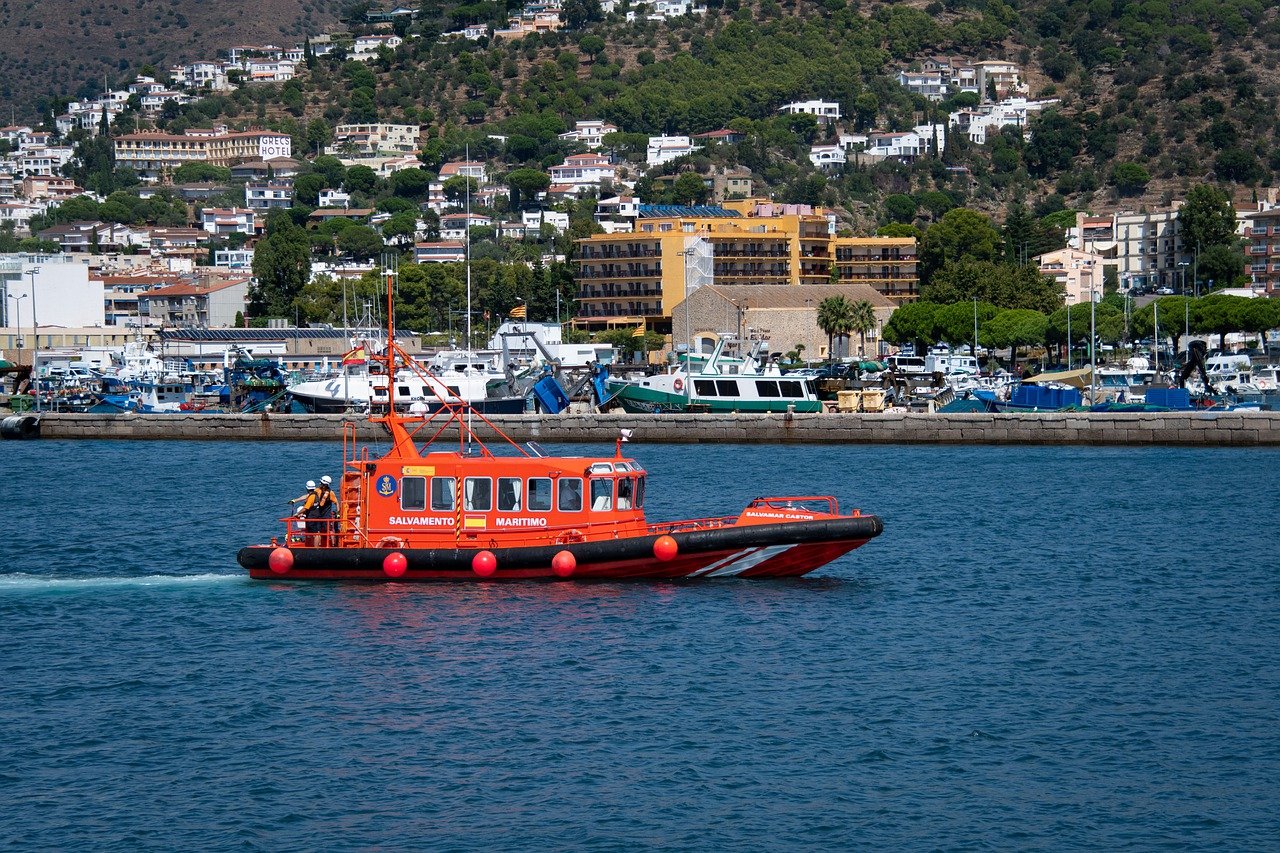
[
  {"x": 152, "y": 155},
  {"x": 1145, "y": 248},
  {"x": 826, "y": 112},
  {"x": 440, "y": 252},
  {"x": 627, "y": 278},
  {"x": 889, "y": 265},
  {"x": 276, "y": 195},
  {"x": 1077, "y": 273},
  {"x": 1262, "y": 251},
  {"x": 210, "y": 303}
]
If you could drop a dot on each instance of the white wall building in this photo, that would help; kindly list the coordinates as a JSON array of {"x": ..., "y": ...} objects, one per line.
[
  {"x": 829, "y": 158},
  {"x": 825, "y": 112},
  {"x": 590, "y": 133},
  {"x": 63, "y": 293},
  {"x": 664, "y": 149}
]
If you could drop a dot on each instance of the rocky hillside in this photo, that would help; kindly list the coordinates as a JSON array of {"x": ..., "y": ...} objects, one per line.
[{"x": 64, "y": 47}]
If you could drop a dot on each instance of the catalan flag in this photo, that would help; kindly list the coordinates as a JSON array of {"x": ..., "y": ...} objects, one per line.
[
  {"x": 638, "y": 333},
  {"x": 356, "y": 356},
  {"x": 519, "y": 312}
]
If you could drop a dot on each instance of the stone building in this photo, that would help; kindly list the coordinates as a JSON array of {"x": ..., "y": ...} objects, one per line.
[{"x": 784, "y": 316}]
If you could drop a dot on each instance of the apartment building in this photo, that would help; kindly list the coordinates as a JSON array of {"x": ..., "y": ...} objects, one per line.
[
  {"x": 1077, "y": 273},
  {"x": 374, "y": 139},
  {"x": 1263, "y": 250},
  {"x": 590, "y": 133},
  {"x": 152, "y": 155},
  {"x": 826, "y": 112},
  {"x": 211, "y": 303},
  {"x": 627, "y": 278},
  {"x": 582, "y": 173},
  {"x": 1145, "y": 248},
  {"x": 888, "y": 264},
  {"x": 664, "y": 149},
  {"x": 276, "y": 195}
]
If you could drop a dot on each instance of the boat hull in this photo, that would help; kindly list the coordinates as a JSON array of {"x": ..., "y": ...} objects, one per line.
[
  {"x": 646, "y": 401},
  {"x": 746, "y": 551}
]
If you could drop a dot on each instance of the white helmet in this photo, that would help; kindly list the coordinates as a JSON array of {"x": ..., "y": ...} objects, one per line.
[
  {"x": 327, "y": 480},
  {"x": 311, "y": 484}
]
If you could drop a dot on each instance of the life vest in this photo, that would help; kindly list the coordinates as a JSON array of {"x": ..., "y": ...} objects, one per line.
[{"x": 324, "y": 500}]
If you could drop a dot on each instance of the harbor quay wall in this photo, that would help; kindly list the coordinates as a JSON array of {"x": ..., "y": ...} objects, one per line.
[{"x": 1235, "y": 429}]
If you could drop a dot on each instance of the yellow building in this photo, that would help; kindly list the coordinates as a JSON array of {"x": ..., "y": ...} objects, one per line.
[{"x": 638, "y": 277}]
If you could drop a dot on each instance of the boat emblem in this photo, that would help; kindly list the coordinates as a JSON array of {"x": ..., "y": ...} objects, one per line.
[{"x": 386, "y": 485}]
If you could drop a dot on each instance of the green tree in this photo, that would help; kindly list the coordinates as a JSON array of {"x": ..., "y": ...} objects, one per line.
[
  {"x": 592, "y": 46},
  {"x": 960, "y": 234},
  {"x": 331, "y": 168},
  {"x": 361, "y": 179},
  {"x": 900, "y": 207},
  {"x": 835, "y": 319},
  {"x": 400, "y": 228},
  {"x": 1223, "y": 265},
  {"x": 689, "y": 188},
  {"x": 281, "y": 265},
  {"x": 191, "y": 173},
  {"x": 576, "y": 14},
  {"x": 1003, "y": 285},
  {"x": 525, "y": 184},
  {"x": 1219, "y": 314},
  {"x": 955, "y": 322},
  {"x": 913, "y": 323},
  {"x": 306, "y": 189},
  {"x": 410, "y": 183},
  {"x": 1129, "y": 179},
  {"x": 1207, "y": 218},
  {"x": 862, "y": 319},
  {"x": 1014, "y": 328},
  {"x": 1174, "y": 313},
  {"x": 360, "y": 242},
  {"x": 455, "y": 189}
]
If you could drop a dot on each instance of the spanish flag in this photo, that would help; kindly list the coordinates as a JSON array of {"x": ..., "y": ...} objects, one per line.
[
  {"x": 638, "y": 333},
  {"x": 518, "y": 313},
  {"x": 356, "y": 356}
]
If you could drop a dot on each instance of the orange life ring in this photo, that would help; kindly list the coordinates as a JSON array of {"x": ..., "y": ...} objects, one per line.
[
  {"x": 391, "y": 542},
  {"x": 679, "y": 384},
  {"x": 570, "y": 536}
]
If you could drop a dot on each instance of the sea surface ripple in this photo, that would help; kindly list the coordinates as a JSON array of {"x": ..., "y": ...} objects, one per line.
[{"x": 1058, "y": 648}]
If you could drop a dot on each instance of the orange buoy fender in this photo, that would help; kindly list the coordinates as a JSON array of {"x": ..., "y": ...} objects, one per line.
[
  {"x": 281, "y": 560},
  {"x": 665, "y": 548},
  {"x": 394, "y": 564},
  {"x": 563, "y": 563},
  {"x": 484, "y": 564}
]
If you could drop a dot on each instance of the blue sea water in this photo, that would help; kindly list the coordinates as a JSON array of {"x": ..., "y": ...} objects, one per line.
[{"x": 1062, "y": 648}]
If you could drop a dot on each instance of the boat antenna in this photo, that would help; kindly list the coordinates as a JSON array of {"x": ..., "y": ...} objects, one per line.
[
  {"x": 391, "y": 352},
  {"x": 466, "y": 231}
]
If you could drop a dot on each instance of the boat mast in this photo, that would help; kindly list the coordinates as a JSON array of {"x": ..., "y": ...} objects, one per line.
[{"x": 466, "y": 231}]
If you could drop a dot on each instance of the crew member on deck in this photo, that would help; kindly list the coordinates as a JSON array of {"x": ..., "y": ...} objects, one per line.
[
  {"x": 326, "y": 512},
  {"x": 310, "y": 510}
]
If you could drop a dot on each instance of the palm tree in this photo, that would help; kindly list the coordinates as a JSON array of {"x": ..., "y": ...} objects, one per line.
[
  {"x": 835, "y": 317},
  {"x": 862, "y": 320}
]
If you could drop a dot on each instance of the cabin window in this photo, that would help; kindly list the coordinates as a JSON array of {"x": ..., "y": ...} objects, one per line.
[
  {"x": 570, "y": 494},
  {"x": 791, "y": 389},
  {"x": 727, "y": 387},
  {"x": 509, "y": 494},
  {"x": 454, "y": 390},
  {"x": 379, "y": 392},
  {"x": 767, "y": 388},
  {"x": 477, "y": 494},
  {"x": 413, "y": 493},
  {"x": 539, "y": 494},
  {"x": 403, "y": 390},
  {"x": 704, "y": 387},
  {"x": 640, "y": 492},
  {"x": 601, "y": 494},
  {"x": 442, "y": 494},
  {"x": 626, "y": 489}
]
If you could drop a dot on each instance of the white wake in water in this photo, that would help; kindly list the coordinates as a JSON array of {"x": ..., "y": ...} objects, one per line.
[{"x": 24, "y": 581}]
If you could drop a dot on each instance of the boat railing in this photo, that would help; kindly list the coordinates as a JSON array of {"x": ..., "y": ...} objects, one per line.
[
  {"x": 690, "y": 525},
  {"x": 807, "y": 502}
]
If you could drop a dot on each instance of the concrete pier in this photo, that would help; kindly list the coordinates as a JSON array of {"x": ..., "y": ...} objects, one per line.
[{"x": 1206, "y": 429}]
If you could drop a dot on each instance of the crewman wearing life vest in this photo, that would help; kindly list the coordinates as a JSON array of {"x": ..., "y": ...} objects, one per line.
[
  {"x": 309, "y": 510},
  {"x": 326, "y": 512}
]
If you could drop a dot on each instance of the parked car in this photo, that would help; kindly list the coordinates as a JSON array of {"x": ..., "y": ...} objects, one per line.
[{"x": 1164, "y": 291}]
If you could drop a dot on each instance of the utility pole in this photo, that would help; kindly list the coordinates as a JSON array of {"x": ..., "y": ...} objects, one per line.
[{"x": 35, "y": 337}]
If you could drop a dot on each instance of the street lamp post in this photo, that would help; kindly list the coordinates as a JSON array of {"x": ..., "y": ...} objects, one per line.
[
  {"x": 1093, "y": 344},
  {"x": 17, "y": 309},
  {"x": 35, "y": 337},
  {"x": 1068, "y": 333}
]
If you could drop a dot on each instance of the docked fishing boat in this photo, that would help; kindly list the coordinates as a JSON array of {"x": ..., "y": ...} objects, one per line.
[
  {"x": 429, "y": 509},
  {"x": 717, "y": 385}
]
